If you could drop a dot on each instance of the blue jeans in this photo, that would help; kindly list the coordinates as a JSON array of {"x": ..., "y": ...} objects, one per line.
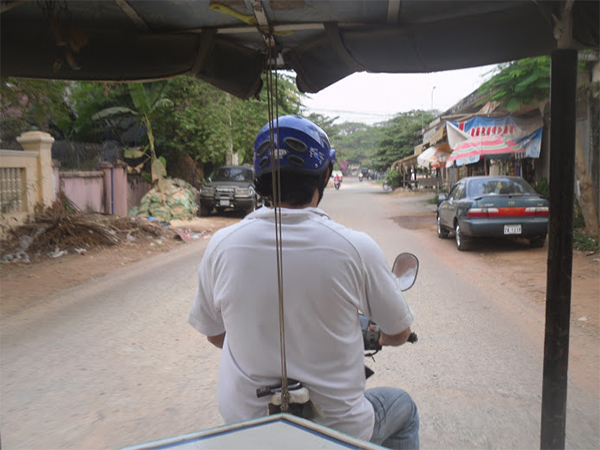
[{"x": 396, "y": 418}]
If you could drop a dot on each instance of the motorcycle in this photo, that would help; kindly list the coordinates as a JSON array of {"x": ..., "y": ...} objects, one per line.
[
  {"x": 336, "y": 183},
  {"x": 360, "y": 177},
  {"x": 405, "y": 268}
]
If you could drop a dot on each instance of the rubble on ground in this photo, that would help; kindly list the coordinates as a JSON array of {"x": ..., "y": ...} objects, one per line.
[
  {"x": 175, "y": 201},
  {"x": 61, "y": 228}
]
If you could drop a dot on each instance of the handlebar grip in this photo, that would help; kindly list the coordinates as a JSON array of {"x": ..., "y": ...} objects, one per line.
[{"x": 413, "y": 338}]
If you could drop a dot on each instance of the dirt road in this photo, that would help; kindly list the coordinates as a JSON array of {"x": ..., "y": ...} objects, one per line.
[{"x": 111, "y": 361}]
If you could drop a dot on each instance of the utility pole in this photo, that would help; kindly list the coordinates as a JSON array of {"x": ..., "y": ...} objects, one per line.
[{"x": 432, "y": 89}]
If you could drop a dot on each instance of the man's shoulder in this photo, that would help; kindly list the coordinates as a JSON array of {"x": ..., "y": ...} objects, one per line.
[
  {"x": 358, "y": 239},
  {"x": 224, "y": 233}
]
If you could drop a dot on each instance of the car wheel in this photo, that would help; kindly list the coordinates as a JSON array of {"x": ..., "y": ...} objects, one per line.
[
  {"x": 204, "y": 210},
  {"x": 537, "y": 241},
  {"x": 442, "y": 232},
  {"x": 461, "y": 242}
]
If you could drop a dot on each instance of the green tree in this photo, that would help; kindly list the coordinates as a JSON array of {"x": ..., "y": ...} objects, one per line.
[
  {"x": 86, "y": 99},
  {"x": 33, "y": 104},
  {"x": 400, "y": 136},
  {"x": 206, "y": 123},
  {"x": 147, "y": 100},
  {"x": 525, "y": 81}
]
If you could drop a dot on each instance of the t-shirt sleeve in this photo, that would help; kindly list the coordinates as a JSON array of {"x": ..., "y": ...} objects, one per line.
[
  {"x": 204, "y": 316},
  {"x": 384, "y": 302}
]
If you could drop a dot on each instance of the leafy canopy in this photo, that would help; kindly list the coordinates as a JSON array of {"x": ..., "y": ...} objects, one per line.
[{"x": 525, "y": 81}]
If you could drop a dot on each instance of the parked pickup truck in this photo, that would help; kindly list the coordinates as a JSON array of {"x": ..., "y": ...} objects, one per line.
[{"x": 230, "y": 188}]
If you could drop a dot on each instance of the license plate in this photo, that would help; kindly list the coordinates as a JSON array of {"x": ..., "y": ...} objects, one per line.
[
  {"x": 223, "y": 202},
  {"x": 512, "y": 229}
]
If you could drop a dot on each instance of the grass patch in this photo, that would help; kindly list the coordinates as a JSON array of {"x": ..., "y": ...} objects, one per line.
[
  {"x": 433, "y": 201},
  {"x": 584, "y": 242}
]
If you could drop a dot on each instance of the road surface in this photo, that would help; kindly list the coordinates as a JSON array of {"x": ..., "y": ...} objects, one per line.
[{"x": 113, "y": 362}]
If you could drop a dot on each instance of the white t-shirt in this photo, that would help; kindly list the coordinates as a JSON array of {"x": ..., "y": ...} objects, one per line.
[{"x": 329, "y": 273}]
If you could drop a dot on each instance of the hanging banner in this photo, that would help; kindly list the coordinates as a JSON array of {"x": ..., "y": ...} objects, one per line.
[{"x": 525, "y": 131}]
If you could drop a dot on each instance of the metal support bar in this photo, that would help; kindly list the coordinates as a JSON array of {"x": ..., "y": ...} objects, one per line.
[
  {"x": 263, "y": 23},
  {"x": 563, "y": 94},
  {"x": 393, "y": 11},
  {"x": 132, "y": 14}
]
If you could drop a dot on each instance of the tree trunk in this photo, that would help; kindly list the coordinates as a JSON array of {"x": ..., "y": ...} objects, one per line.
[
  {"x": 586, "y": 188},
  {"x": 230, "y": 158}
]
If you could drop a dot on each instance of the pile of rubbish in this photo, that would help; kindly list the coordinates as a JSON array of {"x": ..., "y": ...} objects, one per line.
[
  {"x": 62, "y": 228},
  {"x": 175, "y": 201}
]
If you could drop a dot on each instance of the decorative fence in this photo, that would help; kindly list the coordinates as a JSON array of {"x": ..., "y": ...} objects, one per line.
[{"x": 26, "y": 177}]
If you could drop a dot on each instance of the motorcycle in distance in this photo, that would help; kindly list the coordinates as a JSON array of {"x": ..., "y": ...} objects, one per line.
[
  {"x": 360, "y": 177},
  {"x": 336, "y": 183}
]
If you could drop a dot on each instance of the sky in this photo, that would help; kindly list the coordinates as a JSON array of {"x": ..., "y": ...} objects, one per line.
[{"x": 370, "y": 98}]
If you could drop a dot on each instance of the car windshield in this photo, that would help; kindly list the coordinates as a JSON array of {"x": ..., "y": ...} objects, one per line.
[
  {"x": 499, "y": 186},
  {"x": 233, "y": 174}
]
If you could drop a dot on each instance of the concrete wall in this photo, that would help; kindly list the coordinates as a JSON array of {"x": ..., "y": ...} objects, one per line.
[
  {"x": 84, "y": 189},
  {"x": 26, "y": 178},
  {"x": 29, "y": 178}
]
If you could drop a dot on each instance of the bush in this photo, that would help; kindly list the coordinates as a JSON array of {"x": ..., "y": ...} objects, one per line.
[
  {"x": 394, "y": 179},
  {"x": 542, "y": 187},
  {"x": 585, "y": 243}
]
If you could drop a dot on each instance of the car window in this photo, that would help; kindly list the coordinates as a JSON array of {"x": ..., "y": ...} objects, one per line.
[
  {"x": 499, "y": 186},
  {"x": 233, "y": 174},
  {"x": 452, "y": 192},
  {"x": 477, "y": 188},
  {"x": 460, "y": 192}
]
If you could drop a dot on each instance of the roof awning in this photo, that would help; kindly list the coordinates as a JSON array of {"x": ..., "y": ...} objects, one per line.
[
  {"x": 409, "y": 161},
  {"x": 435, "y": 156},
  {"x": 439, "y": 135},
  {"x": 323, "y": 41}
]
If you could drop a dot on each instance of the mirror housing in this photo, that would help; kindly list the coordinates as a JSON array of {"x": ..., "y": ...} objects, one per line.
[
  {"x": 441, "y": 198},
  {"x": 406, "y": 268}
]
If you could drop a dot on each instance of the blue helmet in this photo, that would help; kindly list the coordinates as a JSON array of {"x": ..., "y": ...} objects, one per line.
[{"x": 301, "y": 147}]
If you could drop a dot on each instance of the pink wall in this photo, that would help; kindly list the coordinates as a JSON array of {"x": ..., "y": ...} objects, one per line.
[
  {"x": 85, "y": 189},
  {"x": 115, "y": 189},
  {"x": 110, "y": 191}
]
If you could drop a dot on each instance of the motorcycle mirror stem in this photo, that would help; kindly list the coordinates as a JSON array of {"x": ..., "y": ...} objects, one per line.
[{"x": 406, "y": 268}]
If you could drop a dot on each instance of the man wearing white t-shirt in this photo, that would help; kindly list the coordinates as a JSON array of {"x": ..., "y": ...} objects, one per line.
[{"x": 329, "y": 274}]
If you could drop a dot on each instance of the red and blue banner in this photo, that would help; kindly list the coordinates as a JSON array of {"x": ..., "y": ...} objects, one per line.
[{"x": 525, "y": 131}]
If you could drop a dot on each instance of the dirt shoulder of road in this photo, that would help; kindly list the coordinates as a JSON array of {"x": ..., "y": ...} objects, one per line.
[
  {"x": 21, "y": 284},
  {"x": 523, "y": 267}
]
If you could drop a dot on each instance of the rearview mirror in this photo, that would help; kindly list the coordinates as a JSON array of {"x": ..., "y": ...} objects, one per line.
[
  {"x": 406, "y": 268},
  {"x": 441, "y": 198}
]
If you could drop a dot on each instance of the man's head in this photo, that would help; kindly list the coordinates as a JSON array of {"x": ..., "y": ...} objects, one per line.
[{"x": 304, "y": 155}]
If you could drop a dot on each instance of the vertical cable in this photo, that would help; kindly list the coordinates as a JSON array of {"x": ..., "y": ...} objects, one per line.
[{"x": 273, "y": 112}]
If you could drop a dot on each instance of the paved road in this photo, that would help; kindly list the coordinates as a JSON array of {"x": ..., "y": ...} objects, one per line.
[{"x": 113, "y": 362}]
